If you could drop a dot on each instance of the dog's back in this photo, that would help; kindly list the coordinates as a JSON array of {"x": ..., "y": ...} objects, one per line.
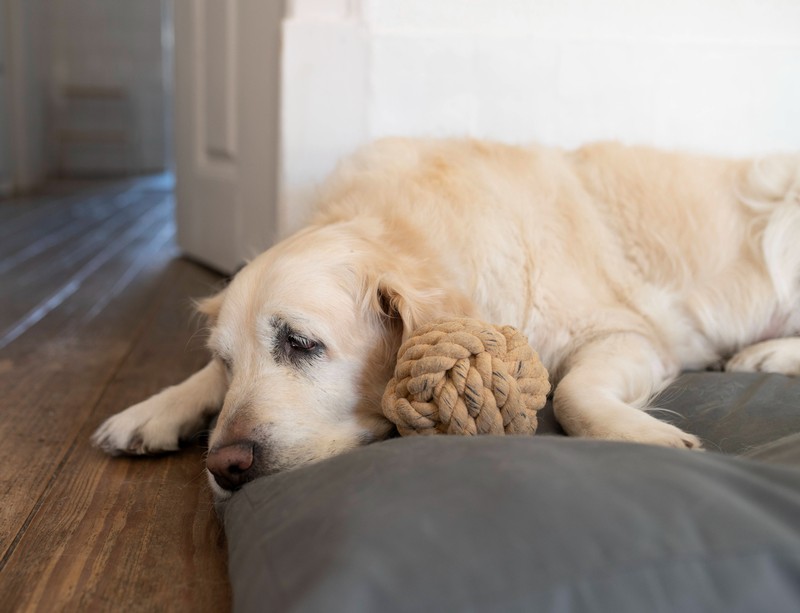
[{"x": 702, "y": 250}]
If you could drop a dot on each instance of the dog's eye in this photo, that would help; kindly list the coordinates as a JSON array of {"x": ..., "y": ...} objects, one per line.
[
  {"x": 292, "y": 347},
  {"x": 301, "y": 343}
]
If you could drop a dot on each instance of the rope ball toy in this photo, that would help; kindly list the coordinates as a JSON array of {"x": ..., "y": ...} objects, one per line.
[{"x": 464, "y": 376}]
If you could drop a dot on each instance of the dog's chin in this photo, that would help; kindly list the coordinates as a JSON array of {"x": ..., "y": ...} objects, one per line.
[
  {"x": 221, "y": 495},
  {"x": 268, "y": 465}
]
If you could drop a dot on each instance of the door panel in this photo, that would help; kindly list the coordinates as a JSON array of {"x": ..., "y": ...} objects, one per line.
[
  {"x": 219, "y": 75},
  {"x": 226, "y": 122}
]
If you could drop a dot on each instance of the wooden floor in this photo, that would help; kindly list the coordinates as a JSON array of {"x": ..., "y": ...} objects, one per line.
[{"x": 94, "y": 316}]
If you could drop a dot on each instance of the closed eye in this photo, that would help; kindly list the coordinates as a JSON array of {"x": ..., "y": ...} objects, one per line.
[
  {"x": 292, "y": 346},
  {"x": 301, "y": 343}
]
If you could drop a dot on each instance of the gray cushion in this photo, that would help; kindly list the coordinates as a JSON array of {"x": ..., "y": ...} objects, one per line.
[
  {"x": 518, "y": 524},
  {"x": 540, "y": 523},
  {"x": 731, "y": 412}
]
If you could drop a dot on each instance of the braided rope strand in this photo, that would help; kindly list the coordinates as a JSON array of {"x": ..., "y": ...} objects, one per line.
[{"x": 463, "y": 376}]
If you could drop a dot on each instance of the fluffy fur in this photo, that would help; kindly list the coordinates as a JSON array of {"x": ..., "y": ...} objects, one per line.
[{"x": 623, "y": 265}]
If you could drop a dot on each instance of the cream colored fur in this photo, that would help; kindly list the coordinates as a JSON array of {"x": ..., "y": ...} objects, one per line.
[{"x": 623, "y": 265}]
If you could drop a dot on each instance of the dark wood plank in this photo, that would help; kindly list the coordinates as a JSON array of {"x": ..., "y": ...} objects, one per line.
[
  {"x": 40, "y": 284},
  {"x": 52, "y": 372},
  {"x": 30, "y": 213},
  {"x": 139, "y": 533},
  {"x": 78, "y": 530},
  {"x": 56, "y": 229},
  {"x": 55, "y": 373}
]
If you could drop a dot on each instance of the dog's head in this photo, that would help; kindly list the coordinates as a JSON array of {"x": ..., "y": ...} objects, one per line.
[{"x": 307, "y": 334}]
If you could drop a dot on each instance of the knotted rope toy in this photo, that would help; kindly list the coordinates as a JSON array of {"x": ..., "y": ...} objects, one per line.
[{"x": 464, "y": 376}]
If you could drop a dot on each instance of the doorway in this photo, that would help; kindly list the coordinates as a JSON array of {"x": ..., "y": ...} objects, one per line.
[{"x": 85, "y": 90}]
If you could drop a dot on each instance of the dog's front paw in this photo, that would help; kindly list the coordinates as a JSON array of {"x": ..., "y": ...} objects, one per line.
[
  {"x": 639, "y": 427},
  {"x": 780, "y": 355},
  {"x": 142, "y": 429},
  {"x": 665, "y": 435}
]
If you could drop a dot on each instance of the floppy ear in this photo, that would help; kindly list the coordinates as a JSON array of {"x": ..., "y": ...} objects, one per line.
[
  {"x": 210, "y": 306},
  {"x": 412, "y": 305}
]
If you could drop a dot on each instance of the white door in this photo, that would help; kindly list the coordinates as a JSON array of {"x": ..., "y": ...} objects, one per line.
[{"x": 226, "y": 127}]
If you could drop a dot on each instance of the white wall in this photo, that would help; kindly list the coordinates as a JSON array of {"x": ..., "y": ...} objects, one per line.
[
  {"x": 325, "y": 98},
  {"x": 715, "y": 75},
  {"x": 720, "y": 76}
]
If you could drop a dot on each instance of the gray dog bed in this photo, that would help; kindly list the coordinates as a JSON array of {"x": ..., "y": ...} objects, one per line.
[{"x": 542, "y": 523}]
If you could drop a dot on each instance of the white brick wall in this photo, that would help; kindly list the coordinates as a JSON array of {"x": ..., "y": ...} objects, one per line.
[
  {"x": 746, "y": 21},
  {"x": 713, "y": 75}
]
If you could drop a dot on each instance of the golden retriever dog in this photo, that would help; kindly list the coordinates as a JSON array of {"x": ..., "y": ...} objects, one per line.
[{"x": 622, "y": 265}]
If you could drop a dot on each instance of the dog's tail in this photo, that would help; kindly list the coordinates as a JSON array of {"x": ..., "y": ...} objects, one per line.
[{"x": 771, "y": 188}]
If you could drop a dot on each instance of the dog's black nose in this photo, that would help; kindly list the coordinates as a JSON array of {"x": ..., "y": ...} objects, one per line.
[{"x": 232, "y": 465}]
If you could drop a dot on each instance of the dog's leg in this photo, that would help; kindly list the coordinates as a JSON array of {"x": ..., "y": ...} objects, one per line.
[
  {"x": 159, "y": 423},
  {"x": 781, "y": 355},
  {"x": 607, "y": 384}
]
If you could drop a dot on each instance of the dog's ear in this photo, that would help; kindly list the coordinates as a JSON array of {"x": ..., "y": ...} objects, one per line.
[
  {"x": 410, "y": 305},
  {"x": 210, "y": 306}
]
